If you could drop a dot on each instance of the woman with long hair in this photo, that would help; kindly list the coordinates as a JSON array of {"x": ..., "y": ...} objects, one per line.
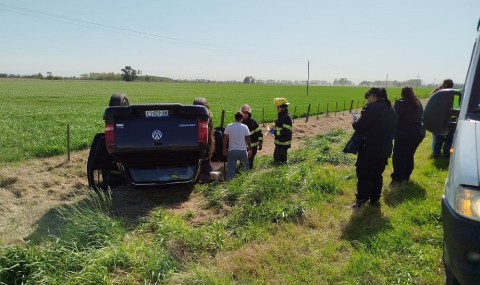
[{"x": 410, "y": 133}]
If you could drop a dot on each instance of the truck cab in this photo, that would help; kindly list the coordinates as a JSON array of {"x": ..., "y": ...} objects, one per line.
[{"x": 461, "y": 199}]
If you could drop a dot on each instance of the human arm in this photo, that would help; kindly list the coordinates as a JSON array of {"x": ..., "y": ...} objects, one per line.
[
  {"x": 248, "y": 142},
  {"x": 225, "y": 144}
]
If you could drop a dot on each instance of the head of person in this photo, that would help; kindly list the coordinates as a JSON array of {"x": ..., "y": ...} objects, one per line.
[
  {"x": 238, "y": 116},
  {"x": 281, "y": 104},
  {"x": 246, "y": 111},
  {"x": 447, "y": 83},
  {"x": 375, "y": 94},
  {"x": 201, "y": 101},
  {"x": 409, "y": 94}
]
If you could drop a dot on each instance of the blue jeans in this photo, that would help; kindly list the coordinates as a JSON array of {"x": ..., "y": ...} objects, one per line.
[
  {"x": 232, "y": 158},
  {"x": 441, "y": 144}
]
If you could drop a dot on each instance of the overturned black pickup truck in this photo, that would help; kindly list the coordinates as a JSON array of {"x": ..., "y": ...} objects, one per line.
[{"x": 149, "y": 145}]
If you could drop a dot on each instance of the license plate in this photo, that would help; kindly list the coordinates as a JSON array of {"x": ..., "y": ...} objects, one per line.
[{"x": 156, "y": 113}]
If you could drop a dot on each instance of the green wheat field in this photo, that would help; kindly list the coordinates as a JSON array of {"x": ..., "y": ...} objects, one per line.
[{"x": 36, "y": 113}]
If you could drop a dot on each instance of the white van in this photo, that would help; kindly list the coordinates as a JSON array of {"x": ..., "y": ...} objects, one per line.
[{"x": 461, "y": 200}]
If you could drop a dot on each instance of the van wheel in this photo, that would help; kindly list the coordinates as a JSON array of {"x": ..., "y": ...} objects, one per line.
[{"x": 118, "y": 99}]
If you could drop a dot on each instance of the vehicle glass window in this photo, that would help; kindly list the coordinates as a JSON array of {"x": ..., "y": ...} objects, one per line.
[
  {"x": 474, "y": 104},
  {"x": 162, "y": 174}
]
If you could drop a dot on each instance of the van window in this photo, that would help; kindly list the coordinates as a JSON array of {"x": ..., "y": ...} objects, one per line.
[{"x": 473, "y": 111}]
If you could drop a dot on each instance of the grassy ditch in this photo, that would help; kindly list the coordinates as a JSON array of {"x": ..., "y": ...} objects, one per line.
[{"x": 277, "y": 225}]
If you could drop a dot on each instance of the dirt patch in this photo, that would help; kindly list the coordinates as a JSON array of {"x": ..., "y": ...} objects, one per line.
[{"x": 30, "y": 192}]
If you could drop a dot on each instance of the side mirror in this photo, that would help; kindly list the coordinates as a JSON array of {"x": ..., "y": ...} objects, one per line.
[{"x": 437, "y": 113}]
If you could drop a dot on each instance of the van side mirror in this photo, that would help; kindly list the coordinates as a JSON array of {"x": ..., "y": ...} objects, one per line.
[{"x": 438, "y": 111}]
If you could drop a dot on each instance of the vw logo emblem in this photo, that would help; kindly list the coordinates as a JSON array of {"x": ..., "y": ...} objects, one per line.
[{"x": 157, "y": 135}]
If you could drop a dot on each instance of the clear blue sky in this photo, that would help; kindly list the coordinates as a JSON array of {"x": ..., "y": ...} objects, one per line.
[{"x": 228, "y": 40}]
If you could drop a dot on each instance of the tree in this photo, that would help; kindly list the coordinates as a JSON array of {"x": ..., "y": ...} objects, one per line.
[
  {"x": 249, "y": 80},
  {"x": 129, "y": 74}
]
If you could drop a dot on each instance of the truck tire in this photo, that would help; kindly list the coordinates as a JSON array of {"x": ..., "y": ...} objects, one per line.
[
  {"x": 449, "y": 277},
  {"x": 102, "y": 170},
  {"x": 118, "y": 99}
]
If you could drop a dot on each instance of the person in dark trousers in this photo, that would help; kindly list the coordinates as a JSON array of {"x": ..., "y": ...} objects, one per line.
[
  {"x": 256, "y": 135},
  {"x": 410, "y": 133},
  {"x": 441, "y": 144},
  {"x": 283, "y": 131},
  {"x": 377, "y": 123},
  {"x": 206, "y": 164}
]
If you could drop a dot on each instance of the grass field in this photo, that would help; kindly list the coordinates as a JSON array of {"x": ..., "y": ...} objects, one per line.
[
  {"x": 277, "y": 225},
  {"x": 35, "y": 113}
]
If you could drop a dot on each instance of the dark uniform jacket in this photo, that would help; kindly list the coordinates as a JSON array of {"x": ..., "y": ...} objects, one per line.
[
  {"x": 256, "y": 135},
  {"x": 378, "y": 124},
  {"x": 409, "y": 119},
  {"x": 283, "y": 129}
]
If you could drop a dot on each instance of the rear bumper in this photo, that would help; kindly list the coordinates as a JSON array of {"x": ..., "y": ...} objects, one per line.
[{"x": 461, "y": 236}]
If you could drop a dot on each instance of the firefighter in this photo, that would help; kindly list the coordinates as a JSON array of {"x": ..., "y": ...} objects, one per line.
[
  {"x": 283, "y": 131},
  {"x": 256, "y": 135}
]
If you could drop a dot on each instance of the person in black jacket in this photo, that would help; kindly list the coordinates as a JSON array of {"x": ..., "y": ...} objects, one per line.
[
  {"x": 377, "y": 123},
  {"x": 410, "y": 133},
  {"x": 283, "y": 131},
  {"x": 256, "y": 135}
]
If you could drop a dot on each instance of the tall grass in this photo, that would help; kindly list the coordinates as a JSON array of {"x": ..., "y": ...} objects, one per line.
[
  {"x": 35, "y": 113},
  {"x": 278, "y": 225}
]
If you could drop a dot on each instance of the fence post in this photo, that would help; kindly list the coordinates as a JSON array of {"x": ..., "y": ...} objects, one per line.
[
  {"x": 318, "y": 110},
  {"x": 327, "y": 110},
  {"x": 222, "y": 122},
  {"x": 351, "y": 106},
  {"x": 358, "y": 102},
  {"x": 308, "y": 112},
  {"x": 68, "y": 142},
  {"x": 294, "y": 114},
  {"x": 343, "y": 114},
  {"x": 263, "y": 116},
  {"x": 336, "y": 108}
]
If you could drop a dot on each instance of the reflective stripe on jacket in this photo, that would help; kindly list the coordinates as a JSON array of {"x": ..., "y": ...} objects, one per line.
[{"x": 283, "y": 129}]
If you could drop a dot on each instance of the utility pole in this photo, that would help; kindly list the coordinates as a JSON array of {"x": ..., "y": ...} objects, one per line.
[{"x": 308, "y": 75}]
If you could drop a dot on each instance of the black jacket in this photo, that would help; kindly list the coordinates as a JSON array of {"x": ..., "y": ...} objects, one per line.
[
  {"x": 256, "y": 136},
  {"x": 283, "y": 129},
  {"x": 378, "y": 123},
  {"x": 409, "y": 119}
]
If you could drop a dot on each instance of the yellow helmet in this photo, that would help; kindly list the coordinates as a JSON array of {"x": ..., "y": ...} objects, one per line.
[{"x": 280, "y": 102}]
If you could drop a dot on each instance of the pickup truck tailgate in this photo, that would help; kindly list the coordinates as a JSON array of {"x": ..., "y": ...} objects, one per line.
[{"x": 153, "y": 140}]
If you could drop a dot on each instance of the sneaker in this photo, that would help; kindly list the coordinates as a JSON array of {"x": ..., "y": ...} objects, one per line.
[{"x": 214, "y": 175}]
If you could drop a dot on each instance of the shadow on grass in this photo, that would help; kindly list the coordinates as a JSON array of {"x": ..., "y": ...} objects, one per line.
[
  {"x": 134, "y": 204},
  {"x": 365, "y": 223},
  {"x": 441, "y": 162},
  {"x": 396, "y": 195},
  {"x": 128, "y": 204}
]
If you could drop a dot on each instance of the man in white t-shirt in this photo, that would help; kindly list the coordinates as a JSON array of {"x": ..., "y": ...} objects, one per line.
[{"x": 237, "y": 138}]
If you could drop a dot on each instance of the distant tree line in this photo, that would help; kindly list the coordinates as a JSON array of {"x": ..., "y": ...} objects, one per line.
[{"x": 111, "y": 76}]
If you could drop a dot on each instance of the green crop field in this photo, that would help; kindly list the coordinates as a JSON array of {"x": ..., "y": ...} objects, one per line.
[{"x": 35, "y": 113}]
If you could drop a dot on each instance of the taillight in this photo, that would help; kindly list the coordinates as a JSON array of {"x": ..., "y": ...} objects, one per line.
[
  {"x": 202, "y": 132},
  {"x": 109, "y": 136}
]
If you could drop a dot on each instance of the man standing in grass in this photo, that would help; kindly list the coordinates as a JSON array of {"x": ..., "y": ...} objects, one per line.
[
  {"x": 283, "y": 131},
  {"x": 236, "y": 139},
  {"x": 256, "y": 135}
]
